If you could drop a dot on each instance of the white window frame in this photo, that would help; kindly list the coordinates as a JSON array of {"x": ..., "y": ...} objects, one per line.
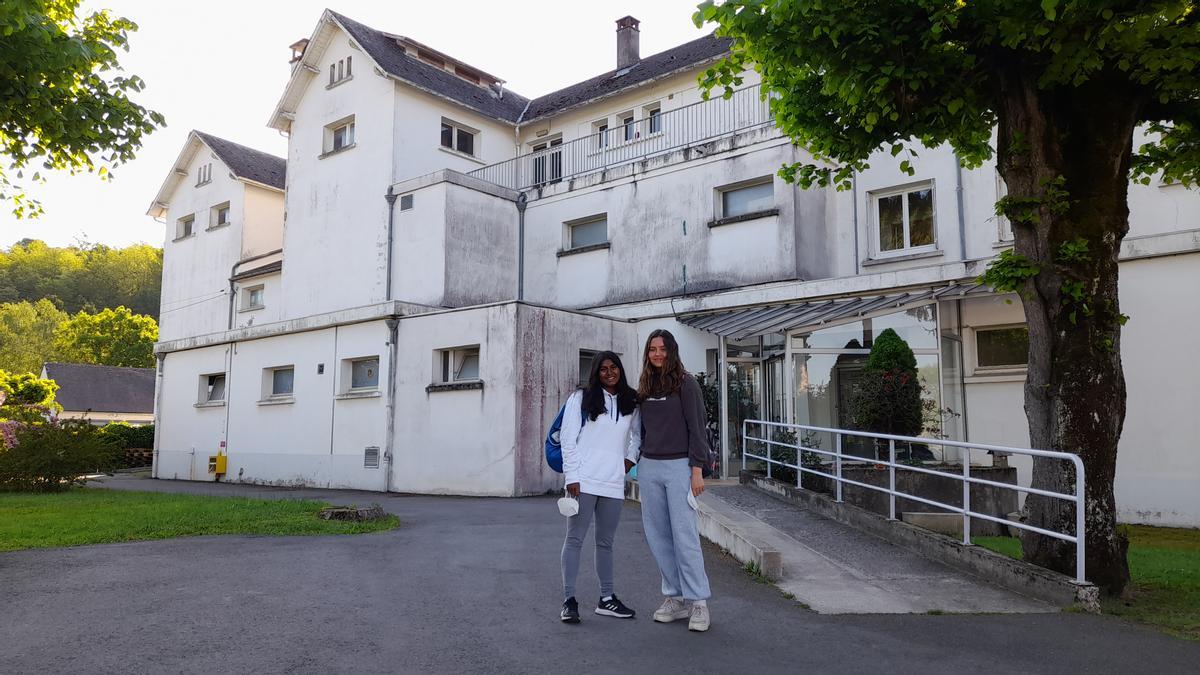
[
  {"x": 569, "y": 231},
  {"x": 208, "y": 385},
  {"x": 214, "y": 216},
  {"x": 724, "y": 190},
  {"x": 652, "y": 114},
  {"x": 340, "y": 71},
  {"x": 204, "y": 174},
  {"x": 873, "y": 199},
  {"x": 547, "y": 167},
  {"x": 601, "y": 130},
  {"x": 981, "y": 369},
  {"x": 629, "y": 127},
  {"x": 1004, "y": 233},
  {"x": 349, "y": 374},
  {"x": 450, "y": 361},
  {"x": 345, "y": 127},
  {"x": 185, "y": 227},
  {"x": 457, "y": 129},
  {"x": 268, "y": 387},
  {"x": 247, "y": 304}
]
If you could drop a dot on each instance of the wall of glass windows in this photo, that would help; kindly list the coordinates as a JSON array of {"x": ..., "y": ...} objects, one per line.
[{"x": 814, "y": 376}]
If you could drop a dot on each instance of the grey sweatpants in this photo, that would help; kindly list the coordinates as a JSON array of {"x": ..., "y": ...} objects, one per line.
[
  {"x": 607, "y": 512},
  {"x": 672, "y": 527}
]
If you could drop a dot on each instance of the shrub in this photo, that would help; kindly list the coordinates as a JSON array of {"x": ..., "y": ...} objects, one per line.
[
  {"x": 127, "y": 436},
  {"x": 887, "y": 397},
  {"x": 53, "y": 456}
]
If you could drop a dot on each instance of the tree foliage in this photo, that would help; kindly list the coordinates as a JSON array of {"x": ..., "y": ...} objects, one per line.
[
  {"x": 84, "y": 277},
  {"x": 1064, "y": 85},
  {"x": 62, "y": 104},
  {"x": 26, "y": 398},
  {"x": 111, "y": 337},
  {"x": 27, "y": 335},
  {"x": 886, "y": 399}
]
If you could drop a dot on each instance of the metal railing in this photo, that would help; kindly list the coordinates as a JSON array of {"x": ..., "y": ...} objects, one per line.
[
  {"x": 967, "y": 480},
  {"x": 653, "y": 134}
]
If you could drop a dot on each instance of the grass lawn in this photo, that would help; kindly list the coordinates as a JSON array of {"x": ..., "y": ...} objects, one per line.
[
  {"x": 1165, "y": 565},
  {"x": 89, "y": 516}
]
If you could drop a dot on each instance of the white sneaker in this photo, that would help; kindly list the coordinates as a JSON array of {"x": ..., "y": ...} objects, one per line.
[
  {"x": 672, "y": 609},
  {"x": 699, "y": 620}
]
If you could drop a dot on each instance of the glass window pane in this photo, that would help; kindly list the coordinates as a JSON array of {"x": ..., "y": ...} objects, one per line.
[
  {"x": 845, "y": 336},
  {"x": 364, "y": 374},
  {"x": 998, "y": 347},
  {"x": 216, "y": 388},
  {"x": 585, "y": 365},
  {"x": 281, "y": 381},
  {"x": 587, "y": 234},
  {"x": 891, "y": 223},
  {"x": 655, "y": 121},
  {"x": 747, "y": 200},
  {"x": 468, "y": 365},
  {"x": 916, "y": 326},
  {"x": 920, "y": 217},
  {"x": 447, "y": 136},
  {"x": 466, "y": 142},
  {"x": 748, "y": 348}
]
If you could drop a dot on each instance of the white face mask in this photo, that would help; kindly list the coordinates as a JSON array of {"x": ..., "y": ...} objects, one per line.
[{"x": 568, "y": 506}]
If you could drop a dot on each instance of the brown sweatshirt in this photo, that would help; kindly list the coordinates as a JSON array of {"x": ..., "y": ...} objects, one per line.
[{"x": 674, "y": 426}]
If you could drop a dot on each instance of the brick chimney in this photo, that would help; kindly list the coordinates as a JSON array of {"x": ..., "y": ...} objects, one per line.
[
  {"x": 627, "y": 42},
  {"x": 298, "y": 48}
]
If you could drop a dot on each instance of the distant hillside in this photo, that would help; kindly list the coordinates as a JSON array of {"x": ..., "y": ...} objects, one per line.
[{"x": 86, "y": 277}]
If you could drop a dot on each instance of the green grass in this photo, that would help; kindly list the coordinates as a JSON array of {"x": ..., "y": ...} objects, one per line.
[
  {"x": 1165, "y": 565},
  {"x": 89, "y": 516}
]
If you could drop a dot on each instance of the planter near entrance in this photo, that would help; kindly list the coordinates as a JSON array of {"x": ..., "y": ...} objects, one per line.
[{"x": 987, "y": 499}]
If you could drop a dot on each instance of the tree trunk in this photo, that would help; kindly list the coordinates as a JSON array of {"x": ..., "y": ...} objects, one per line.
[{"x": 1078, "y": 140}]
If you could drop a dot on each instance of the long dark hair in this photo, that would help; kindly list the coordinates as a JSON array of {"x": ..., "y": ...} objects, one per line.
[
  {"x": 657, "y": 382},
  {"x": 593, "y": 392}
]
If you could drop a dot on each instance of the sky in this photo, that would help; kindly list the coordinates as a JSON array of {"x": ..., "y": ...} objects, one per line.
[{"x": 220, "y": 66}]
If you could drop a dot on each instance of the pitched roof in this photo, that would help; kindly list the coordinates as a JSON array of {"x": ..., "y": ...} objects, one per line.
[
  {"x": 248, "y": 163},
  {"x": 103, "y": 388},
  {"x": 386, "y": 51},
  {"x": 672, "y": 60}
]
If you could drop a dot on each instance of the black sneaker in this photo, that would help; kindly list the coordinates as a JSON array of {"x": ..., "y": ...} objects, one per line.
[
  {"x": 614, "y": 607},
  {"x": 570, "y": 611}
]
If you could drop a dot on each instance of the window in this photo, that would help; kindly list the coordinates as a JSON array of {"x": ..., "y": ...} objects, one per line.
[
  {"x": 1004, "y": 231},
  {"x": 218, "y": 215},
  {"x": 430, "y": 59},
  {"x": 183, "y": 226},
  {"x": 653, "y": 115},
  {"x": 600, "y": 129},
  {"x": 341, "y": 70},
  {"x": 630, "y": 129},
  {"x": 204, "y": 174},
  {"x": 252, "y": 298},
  {"x": 739, "y": 201},
  {"x": 457, "y": 137},
  {"x": 587, "y": 232},
  {"x": 466, "y": 75},
  {"x": 459, "y": 365},
  {"x": 904, "y": 219},
  {"x": 406, "y": 202},
  {"x": 585, "y": 365},
  {"x": 1006, "y": 347},
  {"x": 282, "y": 381},
  {"x": 364, "y": 373},
  {"x": 547, "y": 162},
  {"x": 212, "y": 388},
  {"x": 339, "y": 135}
]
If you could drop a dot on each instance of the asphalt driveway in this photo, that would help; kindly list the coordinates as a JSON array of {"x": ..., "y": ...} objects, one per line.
[{"x": 472, "y": 585}]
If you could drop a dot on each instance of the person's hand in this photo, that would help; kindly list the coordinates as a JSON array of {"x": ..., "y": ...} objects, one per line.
[
  {"x": 628, "y": 465},
  {"x": 697, "y": 482},
  {"x": 573, "y": 489}
]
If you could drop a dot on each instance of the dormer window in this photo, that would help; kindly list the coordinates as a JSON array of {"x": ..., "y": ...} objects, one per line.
[{"x": 341, "y": 70}]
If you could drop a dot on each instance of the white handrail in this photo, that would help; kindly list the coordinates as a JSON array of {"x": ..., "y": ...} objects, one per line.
[{"x": 1078, "y": 538}]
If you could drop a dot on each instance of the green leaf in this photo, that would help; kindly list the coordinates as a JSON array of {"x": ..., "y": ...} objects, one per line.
[{"x": 1050, "y": 7}]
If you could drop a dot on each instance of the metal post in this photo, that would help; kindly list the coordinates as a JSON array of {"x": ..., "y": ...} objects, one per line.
[
  {"x": 891, "y": 479},
  {"x": 1080, "y": 538},
  {"x": 766, "y": 431},
  {"x": 799, "y": 454},
  {"x": 744, "y": 434},
  {"x": 837, "y": 459},
  {"x": 966, "y": 463}
]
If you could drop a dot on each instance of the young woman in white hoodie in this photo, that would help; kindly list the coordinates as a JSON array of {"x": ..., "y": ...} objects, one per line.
[{"x": 600, "y": 435}]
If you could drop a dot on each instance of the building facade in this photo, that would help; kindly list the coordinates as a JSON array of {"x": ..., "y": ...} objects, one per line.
[{"x": 453, "y": 253}]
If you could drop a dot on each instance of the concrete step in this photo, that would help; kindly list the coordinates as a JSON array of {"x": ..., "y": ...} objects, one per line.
[{"x": 835, "y": 569}]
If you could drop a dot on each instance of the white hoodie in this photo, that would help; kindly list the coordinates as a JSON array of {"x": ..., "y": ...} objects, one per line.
[{"x": 595, "y": 455}]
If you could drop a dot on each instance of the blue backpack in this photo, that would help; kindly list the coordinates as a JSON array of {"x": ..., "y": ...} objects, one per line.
[{"x": 553, "y": 446}]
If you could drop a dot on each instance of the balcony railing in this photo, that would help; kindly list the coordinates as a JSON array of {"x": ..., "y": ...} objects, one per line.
[{"x": 638, "y": 140}]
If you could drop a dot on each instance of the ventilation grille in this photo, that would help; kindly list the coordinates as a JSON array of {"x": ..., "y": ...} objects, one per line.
[{"x": 371, "y": 457}]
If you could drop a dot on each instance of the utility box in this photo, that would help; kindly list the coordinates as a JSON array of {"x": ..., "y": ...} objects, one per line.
[{"x": 216, "y": 464}]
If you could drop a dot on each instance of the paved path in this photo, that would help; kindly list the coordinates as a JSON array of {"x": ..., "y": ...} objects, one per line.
[
  {"x": 836, "y": 569},
  {"x": 471, "y": 586}
]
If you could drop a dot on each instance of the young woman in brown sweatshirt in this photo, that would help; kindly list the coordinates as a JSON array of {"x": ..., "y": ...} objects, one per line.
[{"x": 674, "y": 452}]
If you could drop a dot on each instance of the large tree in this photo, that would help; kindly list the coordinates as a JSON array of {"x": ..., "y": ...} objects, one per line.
[
  {"x": 1064, "y": 85},
  {"x": 83, "y": 277},
  {"x": 112, "y": 337},
  {"x": 61, "y": 105},
  {"x": 27, "y": 331}
]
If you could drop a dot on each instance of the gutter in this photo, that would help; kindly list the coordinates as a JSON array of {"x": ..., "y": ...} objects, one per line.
[
  {"x": 158, "y": 394},
  {"x": 962, "y": 215},
  {"x": 390, "y": 196},
  {"x": 522, "y": 201},
  {"x": 389, "y": 443}
]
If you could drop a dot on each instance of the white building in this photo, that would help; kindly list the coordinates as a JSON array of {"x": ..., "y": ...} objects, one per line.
[{"x": 454, "y": 252}]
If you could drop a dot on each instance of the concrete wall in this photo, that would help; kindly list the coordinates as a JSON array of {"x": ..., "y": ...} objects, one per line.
[
  {"x": 418, "y": 124},
  {"x": 263, "y": 230},
  {"x": 272, "y": 308}
]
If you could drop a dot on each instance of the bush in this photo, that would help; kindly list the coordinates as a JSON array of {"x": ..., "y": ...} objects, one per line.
[
  {"x": 53, "y": 456},
  {"x": 126, "y": 436}
]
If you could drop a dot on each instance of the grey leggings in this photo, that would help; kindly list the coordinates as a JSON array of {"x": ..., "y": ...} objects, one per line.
[{"x": 607, "y": 511}]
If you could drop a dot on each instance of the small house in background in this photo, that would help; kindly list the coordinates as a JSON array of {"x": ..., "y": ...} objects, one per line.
[{"x": 103, "y": 394}]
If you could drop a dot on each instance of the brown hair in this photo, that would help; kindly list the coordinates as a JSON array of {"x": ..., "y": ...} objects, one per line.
[{"x": 655, "y": 382}]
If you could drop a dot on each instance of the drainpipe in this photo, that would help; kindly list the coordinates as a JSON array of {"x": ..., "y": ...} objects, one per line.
[
  {"x": 158, "y": 393},
  {"x": 389, "y": 443},
  {"x": 962, "y": 215},
  {"x": 522, "y": 201},
  {"x": 233, "y": 273},
  {"x": 854, "y": 201},
  {"x": 391, "y": 202}
]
